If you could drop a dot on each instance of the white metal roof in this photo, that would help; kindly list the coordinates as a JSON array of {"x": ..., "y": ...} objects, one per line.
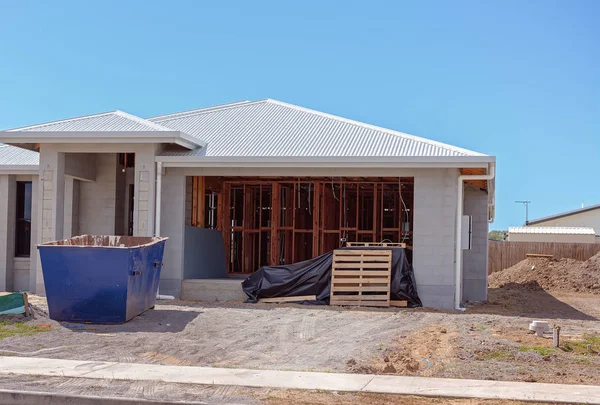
[
  {"x": 113, "y": 121},
  {"x": 270, "y": 128},
  {"x": 553, "y": 230},
  {"x": 17, "y": 160}
]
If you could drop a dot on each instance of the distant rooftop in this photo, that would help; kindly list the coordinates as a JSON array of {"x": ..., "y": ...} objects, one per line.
[
  {"x": 565, "y": 214},
  {"x": 552, "y": 230}
]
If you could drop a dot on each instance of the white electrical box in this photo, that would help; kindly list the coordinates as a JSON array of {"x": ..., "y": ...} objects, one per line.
[{"x": 467, "y": 232}]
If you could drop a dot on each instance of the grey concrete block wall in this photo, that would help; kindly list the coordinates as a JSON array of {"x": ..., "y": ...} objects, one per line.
[
  {"x": 475, "y": 260},
  {"x": 172, "y": 225},
  {"x": 434, "y": 232},
  {"x": 8, "y": 187},
  {"x": 98, "y": 199}
]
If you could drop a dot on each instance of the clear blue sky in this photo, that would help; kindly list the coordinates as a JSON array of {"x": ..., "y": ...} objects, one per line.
[{"x": 516, "y": 79}]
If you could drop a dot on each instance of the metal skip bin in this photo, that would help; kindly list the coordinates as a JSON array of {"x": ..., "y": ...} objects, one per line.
[{"x": 101, "y": 279}]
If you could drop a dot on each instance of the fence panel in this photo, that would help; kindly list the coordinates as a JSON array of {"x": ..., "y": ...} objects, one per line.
[{"x": 502, "y": 255}]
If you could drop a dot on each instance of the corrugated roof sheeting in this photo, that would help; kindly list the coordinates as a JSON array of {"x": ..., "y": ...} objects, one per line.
[
  {"x": 271, "y": 128},
  {"x": 13, "y": 156},
  {"x": 105, "y": 122},
  {"x": 553, "y": 230}
]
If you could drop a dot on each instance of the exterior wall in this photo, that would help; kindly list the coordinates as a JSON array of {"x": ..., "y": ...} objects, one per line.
[
  {"x": 36, "y": 281},
  {"x": 433, "y": 236},
  {"x": 434, "y": 222},
  {"x": 475, "y": 260},
  {"x": 96, "y": 165},
  {"x": 543, "y": 237},
  {"x": 97, "y": 199},
  {"x": 172, "y": 223},
  {"x": 21, "y": 273},
  {"x": 8, "y": 187},
  {"x": 589, "y": 219},
  {"x": 15, "y": 272}
]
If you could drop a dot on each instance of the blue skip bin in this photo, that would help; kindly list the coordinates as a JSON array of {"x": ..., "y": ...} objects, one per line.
[{"x": 101, "y": 279}]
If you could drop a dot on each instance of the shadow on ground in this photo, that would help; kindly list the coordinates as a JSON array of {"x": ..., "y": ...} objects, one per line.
[
  {"x": 153, "y": 320},
  {"x": 528, "y": 300}
]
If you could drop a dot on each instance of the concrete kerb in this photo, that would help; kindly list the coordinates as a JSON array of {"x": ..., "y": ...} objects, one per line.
[
  {"x": 436, "y": 387},
  {"x": 48, "y": 398}
]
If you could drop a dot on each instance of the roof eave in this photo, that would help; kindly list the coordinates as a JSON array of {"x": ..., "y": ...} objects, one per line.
[
  {"x": 327, "y": 161},
  {"x": 19, "y": 169},
  {"x": 176, "y": 137}
]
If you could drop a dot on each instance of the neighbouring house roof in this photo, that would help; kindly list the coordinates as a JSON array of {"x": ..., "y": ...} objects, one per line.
[
  {"x": 13, "y": 159},
  {"x": 565, "y": 214},
  {"x": 270, "y": 128},
  {"x": 552, "y": 230}
]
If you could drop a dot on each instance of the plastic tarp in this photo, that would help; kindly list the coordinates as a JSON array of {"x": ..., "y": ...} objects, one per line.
[
  {"x": 313, "y": 277},
  {"x": 12, "y": 304}
]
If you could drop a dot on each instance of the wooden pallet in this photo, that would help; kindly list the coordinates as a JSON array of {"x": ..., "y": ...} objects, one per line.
[
  {"x": 376, "y": 244},
  {"x": 361, "y": 277},
  {"x": 281, "y": 300}
]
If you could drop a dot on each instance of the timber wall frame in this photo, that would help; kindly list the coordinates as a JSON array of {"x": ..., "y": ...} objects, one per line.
[{"x": 284, "y": 220}]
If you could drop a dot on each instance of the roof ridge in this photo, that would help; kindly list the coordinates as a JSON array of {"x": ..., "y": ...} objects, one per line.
[
  {"x": 199, "y": 110},
  {"x": 376, "y": 128},
  {"x": 44, "y": 124},
  {"x": 142, "y": 120}
]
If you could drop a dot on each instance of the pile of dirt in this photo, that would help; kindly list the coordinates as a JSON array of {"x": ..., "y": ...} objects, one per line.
[{"x": 551, "y": 275}]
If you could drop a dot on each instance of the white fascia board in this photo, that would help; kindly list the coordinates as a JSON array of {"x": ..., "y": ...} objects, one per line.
[
  {"x": 350, "y": 162},
  {"x": 175, "y": 137},
  {"x": 15, "y": 169}
]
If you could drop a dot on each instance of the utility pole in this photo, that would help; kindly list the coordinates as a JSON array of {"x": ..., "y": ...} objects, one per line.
[{"x": 526, "y": 204}]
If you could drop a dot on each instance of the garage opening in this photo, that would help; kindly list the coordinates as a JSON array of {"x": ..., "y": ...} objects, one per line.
[{"x": 283, "y": 220}]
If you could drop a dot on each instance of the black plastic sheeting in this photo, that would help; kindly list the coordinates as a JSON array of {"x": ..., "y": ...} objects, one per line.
[{"x": 313, "y": 277}]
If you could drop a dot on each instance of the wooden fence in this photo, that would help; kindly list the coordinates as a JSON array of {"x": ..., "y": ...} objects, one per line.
[{"x": 502, "y": 255}]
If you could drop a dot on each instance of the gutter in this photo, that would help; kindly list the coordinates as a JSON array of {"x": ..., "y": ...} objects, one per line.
[{"x": 458, "y": 273}]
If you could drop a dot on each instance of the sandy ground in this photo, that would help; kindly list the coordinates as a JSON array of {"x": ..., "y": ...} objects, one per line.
[
  {"x": 213, "y": 395},
  {"x": 488, "y": 341}
]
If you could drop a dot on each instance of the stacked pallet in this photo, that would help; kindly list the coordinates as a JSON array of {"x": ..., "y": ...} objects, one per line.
[{"x": 361, "y": 277}]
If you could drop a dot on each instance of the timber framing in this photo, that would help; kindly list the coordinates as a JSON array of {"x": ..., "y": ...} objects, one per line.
[{"x": 282, "y": 220}]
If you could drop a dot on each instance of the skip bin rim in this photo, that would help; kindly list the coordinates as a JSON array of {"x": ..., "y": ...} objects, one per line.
[{"x": 156, "y": 239}]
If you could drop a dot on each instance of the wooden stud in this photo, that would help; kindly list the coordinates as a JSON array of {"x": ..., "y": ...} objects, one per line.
[
  {"x": 195, "y": 201},
  {"x": 201, "y": 202},
  {"x": 278, "y": 300},
  {"x": 397, "y": 303},
  {"x": 316, "y": 206},
  {"x": 26, "y": 304}
]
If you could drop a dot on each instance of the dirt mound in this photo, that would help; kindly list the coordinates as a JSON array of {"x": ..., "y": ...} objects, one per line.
[{"x": 551, "y": 275}]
